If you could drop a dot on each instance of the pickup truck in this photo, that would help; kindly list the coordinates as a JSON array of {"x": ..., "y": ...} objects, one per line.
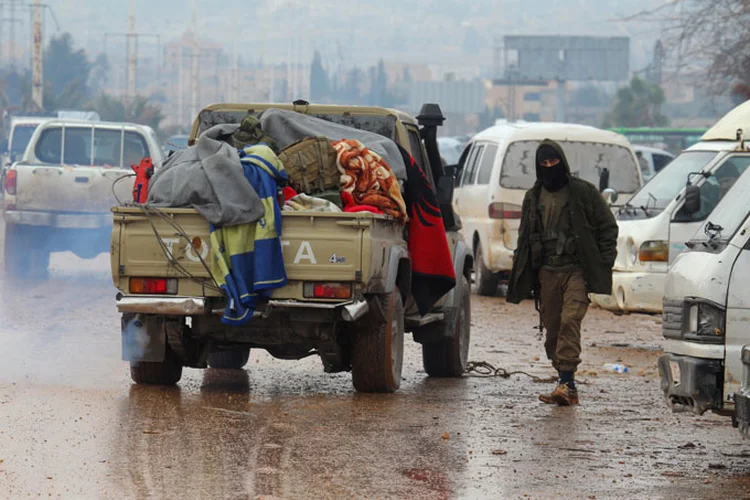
[
  {"x": 348, "y": 296},
  {"x": 58, "y": 196}
]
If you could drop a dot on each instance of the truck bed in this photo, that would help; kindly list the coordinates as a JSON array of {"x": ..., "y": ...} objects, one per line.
[{"x": 159, "y": 243}]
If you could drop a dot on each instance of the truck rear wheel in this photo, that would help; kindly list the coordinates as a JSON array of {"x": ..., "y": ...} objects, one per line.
[
  {"x": 167, "y": 372},
  {"x": 378, "y": 349},
  {"x": 235, "y": 359},
  {"x": 448, "y": 358},
  {"x": 485, "y": 281}
]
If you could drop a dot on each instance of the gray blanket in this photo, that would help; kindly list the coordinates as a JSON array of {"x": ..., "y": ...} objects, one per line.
[
  {"x": 208, "y": 177},
  {"x": 287, "y": 127}
]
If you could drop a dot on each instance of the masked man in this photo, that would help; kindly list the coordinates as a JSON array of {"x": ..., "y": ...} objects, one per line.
[{"x": 567, "y": 245}]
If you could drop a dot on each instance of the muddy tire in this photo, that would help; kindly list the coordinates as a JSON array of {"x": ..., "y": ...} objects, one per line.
[
  {"x": 378, "y": 348},
  {"x": 448, "y": 358},
  {"x": 235, "y": 359},
  {"x": 167, "y": 372},
  {"x": 485, "y": 281}
]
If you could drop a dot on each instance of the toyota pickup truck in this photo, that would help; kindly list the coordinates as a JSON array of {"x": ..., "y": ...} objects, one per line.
[
  {"x": 347, "y": 299},
  {"x": 58, "y": 196}
]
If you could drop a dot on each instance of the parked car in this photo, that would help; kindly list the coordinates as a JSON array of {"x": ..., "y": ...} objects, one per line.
[
  {"x": 59, "y": 195},
  {"x": 655, "y": 225},
  {"x": 651, "y": 160},
  {"x": 498, "y": 167}
]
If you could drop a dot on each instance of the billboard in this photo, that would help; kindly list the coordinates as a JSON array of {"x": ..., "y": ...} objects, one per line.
[{"x": 569, "y": 57}]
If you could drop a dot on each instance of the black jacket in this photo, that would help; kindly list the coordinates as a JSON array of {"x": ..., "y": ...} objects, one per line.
[{"x": 594, "y": 229}]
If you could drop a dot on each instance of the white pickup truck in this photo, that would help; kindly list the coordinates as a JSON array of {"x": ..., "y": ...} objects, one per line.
[{"x": 58, "y": 196}]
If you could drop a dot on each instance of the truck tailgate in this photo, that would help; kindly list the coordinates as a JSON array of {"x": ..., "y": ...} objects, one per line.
[
  {"x": 316, "y": 247},
  {"x": 70, "y": 188}
]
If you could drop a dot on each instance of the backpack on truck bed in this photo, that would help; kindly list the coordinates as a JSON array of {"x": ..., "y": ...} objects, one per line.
[{"x": 311, "y": 165}]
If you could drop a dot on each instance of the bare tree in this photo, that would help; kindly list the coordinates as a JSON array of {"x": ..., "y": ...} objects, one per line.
[{"x": 709, "y": 39}]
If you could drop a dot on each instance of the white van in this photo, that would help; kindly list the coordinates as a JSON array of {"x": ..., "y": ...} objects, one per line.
[
  {"x": 498, "y": 166},
  {"x": 706, "y": 305},
  {"x": 655, "y": 225}
]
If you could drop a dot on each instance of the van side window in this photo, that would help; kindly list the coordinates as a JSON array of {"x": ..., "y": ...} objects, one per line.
[
  {"x": 716, "y": 186},
  {"x": 461, "y": 167},
  {"x": 485, "y": 167},
  {"x": 471, "y": 165}
]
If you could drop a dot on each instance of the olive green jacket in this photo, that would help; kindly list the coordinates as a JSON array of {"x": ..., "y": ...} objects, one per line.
[{"x": 594, "y": 229}]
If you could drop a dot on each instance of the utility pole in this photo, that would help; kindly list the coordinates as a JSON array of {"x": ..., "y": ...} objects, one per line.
[
  {"x": 195, "y": 59},
  {"x": 235, "y": 84},
  {"x": 37, "y": 81},
  {"x": 12, "y": 20},
  {"x": 132, "y": 55},
  {"x": 131, "y": 40}
]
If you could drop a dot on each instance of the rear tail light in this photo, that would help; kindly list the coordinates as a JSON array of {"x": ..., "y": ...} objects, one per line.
[
  {"x": 327, "y": 291},
  {"x": 654, "y": 251},
  {"x": 505, "y": 211},
  {"x": 11, "y": 178},
  {"x": 153, "y": 286}
]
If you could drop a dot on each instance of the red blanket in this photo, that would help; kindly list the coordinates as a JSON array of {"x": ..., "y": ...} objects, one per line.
[{"x": 432, "y": 266}]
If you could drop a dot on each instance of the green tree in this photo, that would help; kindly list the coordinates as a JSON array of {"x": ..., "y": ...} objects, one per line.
[
  {"x": 319, "y": 84},
  {"x": 637, "y": 105}
]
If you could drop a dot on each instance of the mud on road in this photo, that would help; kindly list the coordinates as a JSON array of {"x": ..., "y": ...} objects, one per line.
[{"x": 72, "y": 425}]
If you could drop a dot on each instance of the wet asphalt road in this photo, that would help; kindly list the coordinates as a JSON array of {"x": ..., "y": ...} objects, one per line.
[{"x": 73, "y": 426}]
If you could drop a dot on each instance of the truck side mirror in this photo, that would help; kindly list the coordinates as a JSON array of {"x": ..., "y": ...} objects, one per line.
[
  {"x": 604, "y": 180},
  {"x": 692, "y": 200}
]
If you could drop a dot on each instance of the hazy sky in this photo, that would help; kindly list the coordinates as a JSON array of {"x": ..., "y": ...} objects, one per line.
[{"x": 429, "y": 31}]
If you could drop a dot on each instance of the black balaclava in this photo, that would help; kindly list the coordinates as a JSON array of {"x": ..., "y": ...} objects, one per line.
[{"x": 552, "y": 178}]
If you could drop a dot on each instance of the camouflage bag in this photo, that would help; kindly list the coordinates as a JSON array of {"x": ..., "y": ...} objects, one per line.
[
  {"x": 250, "y": 134},
  {"x": 311, "y": 165}
]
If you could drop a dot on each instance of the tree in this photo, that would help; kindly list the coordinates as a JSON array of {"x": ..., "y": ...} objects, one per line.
[
  {"x": 637, "y": 105},
  {"x": 66, "y": 74},
  {"x": 99, "y": 75},
  {"x": 379, "y": 87},
  {"x": 707, "y": 37},
  {"x": 319, "y": 84}
]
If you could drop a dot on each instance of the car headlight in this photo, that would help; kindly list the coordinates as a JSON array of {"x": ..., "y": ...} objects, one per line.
[
  {"x": 706, "y": 320},
  {"x": 654, "y": 251}
]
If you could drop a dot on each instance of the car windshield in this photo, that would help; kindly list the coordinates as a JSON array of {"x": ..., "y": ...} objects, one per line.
[
  {"x": 658, "y": 192},
  {"x": 21, "y": 137},
  {"x": 728, "y": 215},
  {"x": 586, "y": 160}
]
